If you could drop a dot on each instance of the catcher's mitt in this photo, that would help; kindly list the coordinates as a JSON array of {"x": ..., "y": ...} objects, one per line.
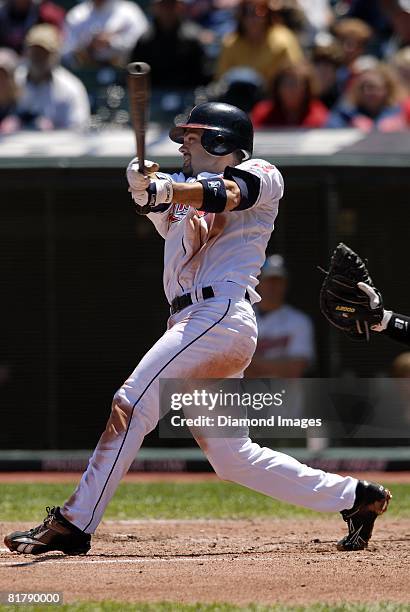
[{"x": 347, "y": 306}]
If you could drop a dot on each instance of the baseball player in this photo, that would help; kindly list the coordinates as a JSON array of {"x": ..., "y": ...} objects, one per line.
[{"x": 216, "y": 217}]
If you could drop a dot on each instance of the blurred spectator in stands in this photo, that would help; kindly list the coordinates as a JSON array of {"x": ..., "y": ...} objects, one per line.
[
  {"x": 354, "y": 36},
  {"x": 242, "y": 87},
  {"x": 288, "y": 13},
  {"x": 257, "y": 43},
  {"x": 285, "y": 339},
  {"x": 327, "y": 57},
  {"x": 372, "y": 102},
  {"x": 172, "y": 48},
  {"x": 102, "y": 32},
  {"x": 372, "y": 13},
  {"x": 293, "y": 101},
  {"x": 398, "y": 12},
  {"x": 400, "y": 62},
  {"x": 216, "y": 19},
  {"x": 18, "y": 16},
  {"x": 305, "y": 18},
  {"x": 318, "y": 15},
  {"x": 8, "y": 91},
  {"x": 51, "y": 97}
]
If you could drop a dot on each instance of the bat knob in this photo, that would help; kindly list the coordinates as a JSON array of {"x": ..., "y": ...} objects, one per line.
[{"x": 138, "y": 68}]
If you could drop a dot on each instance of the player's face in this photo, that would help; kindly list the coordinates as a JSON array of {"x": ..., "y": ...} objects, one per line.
[{"x": 196, "y": 159}]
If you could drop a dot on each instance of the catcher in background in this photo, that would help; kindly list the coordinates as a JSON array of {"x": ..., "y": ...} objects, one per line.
[{"x": 350, "y": 301}]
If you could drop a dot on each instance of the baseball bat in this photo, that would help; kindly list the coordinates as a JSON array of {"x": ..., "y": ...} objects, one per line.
[{"x": 138, "y": 82}]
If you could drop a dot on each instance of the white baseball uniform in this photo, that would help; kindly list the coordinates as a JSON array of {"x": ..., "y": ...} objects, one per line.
[{"x": 212, "y": 338}]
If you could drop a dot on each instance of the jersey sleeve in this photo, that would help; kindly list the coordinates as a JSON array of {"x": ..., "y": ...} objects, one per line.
[
  {"x": 160, "y": 221},
  {"x": 271, "y": 185}
]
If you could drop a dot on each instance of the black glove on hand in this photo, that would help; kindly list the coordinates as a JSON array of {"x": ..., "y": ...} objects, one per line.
[{"x": 348, "y": 298}]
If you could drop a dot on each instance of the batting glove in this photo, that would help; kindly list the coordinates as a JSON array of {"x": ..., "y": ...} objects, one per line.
[
  {"x": 136, "y": 180},
  {"x": 157, "y": 195}
]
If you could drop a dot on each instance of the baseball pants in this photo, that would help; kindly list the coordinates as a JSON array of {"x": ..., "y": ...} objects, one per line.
[{"x": 215, "y": 338}]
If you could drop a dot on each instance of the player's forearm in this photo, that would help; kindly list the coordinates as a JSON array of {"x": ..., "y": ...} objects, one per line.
[
  {"x": 188, "y": 193},
  {"x": 398, "y": 328},
  {"x": 157, "y": 190},
  {"x": 192, "y": 194}
]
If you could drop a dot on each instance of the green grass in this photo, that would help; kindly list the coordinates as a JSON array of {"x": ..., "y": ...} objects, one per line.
[
  {"x": 168, "y": 500},
  {"x": 111, "y": 606}
]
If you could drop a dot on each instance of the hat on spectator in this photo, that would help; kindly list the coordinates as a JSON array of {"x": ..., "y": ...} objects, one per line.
[
  {"x": 274, "y": 266},
  {"x": 8, "y": 60},
  {"x": 45, "y": 36}
]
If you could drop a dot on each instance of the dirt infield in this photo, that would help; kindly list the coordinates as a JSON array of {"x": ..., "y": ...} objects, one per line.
[
  {"x": 266, "y": 561},
  {"x": 288, "y": 561}
]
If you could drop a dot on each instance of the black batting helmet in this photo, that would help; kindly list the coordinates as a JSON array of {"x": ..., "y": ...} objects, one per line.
[{"x": 226, "y": 128}]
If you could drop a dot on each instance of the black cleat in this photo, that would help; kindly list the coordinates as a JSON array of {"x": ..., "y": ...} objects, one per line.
[
  {"x": 371, "y": 500},
  {"x": 54, "y": 533}
]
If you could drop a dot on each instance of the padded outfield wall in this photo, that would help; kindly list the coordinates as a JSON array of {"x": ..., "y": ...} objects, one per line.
[{"x": 81, "y": 274}]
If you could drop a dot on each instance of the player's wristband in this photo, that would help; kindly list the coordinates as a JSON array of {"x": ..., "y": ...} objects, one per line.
[
  {"x": 214, "y": 198},
  {"x": 398, "y": 328}
]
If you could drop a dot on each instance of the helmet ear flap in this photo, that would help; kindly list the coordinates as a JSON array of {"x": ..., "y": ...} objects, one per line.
[{"x": 218, "y": 142}]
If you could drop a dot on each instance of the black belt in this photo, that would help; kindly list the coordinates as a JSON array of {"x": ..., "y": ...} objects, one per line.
[{"x": 182, "y": 301}]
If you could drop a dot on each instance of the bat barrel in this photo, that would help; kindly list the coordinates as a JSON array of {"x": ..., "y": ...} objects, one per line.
[{"x": 138, "y": 81}]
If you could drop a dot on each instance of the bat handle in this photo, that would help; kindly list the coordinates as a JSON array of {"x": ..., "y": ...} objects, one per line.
[
  {"x": 141, "y": 154},
  {"x": 140, "y": 141}
]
